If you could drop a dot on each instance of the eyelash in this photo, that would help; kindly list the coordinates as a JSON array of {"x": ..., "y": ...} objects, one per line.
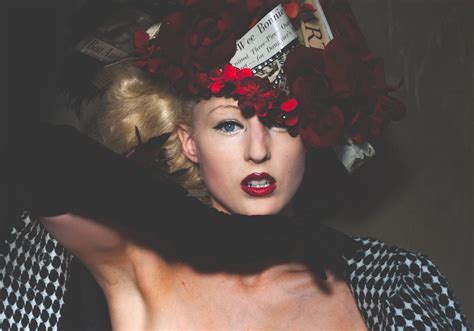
[{"x": 220, "y": 126}]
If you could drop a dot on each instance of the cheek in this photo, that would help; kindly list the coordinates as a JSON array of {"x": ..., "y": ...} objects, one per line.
[
  {"x": 216, "y": 162},
  {"x": 293, "y": 160}
]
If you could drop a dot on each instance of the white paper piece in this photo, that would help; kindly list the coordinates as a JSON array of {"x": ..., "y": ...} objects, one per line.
[
  {"x": 323, "y": 19},
  {"x": 314, "y": 28},
  {"x": 269, "y": 36},
  {"x": 153, "y": 30},
  {"x": 353, "y": 155},
  {"x": 101, "y": 50}
]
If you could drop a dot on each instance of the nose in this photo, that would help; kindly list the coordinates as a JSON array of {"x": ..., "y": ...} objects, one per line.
[{"x": 258, "y": 142}]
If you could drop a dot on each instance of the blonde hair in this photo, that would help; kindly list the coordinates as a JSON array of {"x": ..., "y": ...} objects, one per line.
[{"x": 133, "y": 100}]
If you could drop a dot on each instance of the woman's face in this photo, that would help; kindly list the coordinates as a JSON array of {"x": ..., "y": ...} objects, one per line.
[{"x": 248, "y": 168}]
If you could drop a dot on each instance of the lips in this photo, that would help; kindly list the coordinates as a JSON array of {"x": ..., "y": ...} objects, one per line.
[{"x": 258, "y": 184}]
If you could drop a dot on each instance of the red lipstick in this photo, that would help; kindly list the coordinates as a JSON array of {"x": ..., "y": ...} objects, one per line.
[{"x": 258, "y": 184}]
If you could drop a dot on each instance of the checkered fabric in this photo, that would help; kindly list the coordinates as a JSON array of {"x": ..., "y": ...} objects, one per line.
[
  {"x": 395, "y": 289},
  {"x": 33, "y": 276}
]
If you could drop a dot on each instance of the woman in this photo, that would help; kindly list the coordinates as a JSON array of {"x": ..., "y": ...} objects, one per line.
[{"x": 245, "y": 143}]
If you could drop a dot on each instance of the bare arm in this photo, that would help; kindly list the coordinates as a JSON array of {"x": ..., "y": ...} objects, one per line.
[{"x": 85, "y": 238}]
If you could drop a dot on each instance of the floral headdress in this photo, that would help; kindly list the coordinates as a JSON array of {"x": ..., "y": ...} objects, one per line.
[{"x": 302, "y": 65}]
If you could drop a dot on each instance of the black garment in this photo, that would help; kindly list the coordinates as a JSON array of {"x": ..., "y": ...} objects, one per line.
[{"x": 56, "y": 170}]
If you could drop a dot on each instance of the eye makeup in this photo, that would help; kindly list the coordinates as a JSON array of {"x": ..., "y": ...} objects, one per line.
[{"x": 228, "y": 127}]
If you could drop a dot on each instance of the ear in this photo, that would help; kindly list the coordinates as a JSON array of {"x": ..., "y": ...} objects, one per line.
[{"x": 187, "y": 142}]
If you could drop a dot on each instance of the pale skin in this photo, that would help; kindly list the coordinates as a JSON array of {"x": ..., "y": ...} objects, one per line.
[{"x": 144, "y": 292}]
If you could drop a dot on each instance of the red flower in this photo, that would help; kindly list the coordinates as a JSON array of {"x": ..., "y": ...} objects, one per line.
[
  {"x": 145, "y": 49},
  {"x": 386, "y": 109},
  {"x": 351, "y": 70},
  {"x": 304, "y": 68},
  {"x": 255, "y": 96},
  {"x": 290, "y": 112},
  {"x": 142, "y": 42},
  {"x": 259, "y": 8},
  {"x": 228, "y": 78},
  {"x": 289, "y": 105},
  {"x": 202, "y": 36},
  {"x": 341, "y": 87},
  {"x": 343, "y": 22},
  {"x": 324, "y": 129}
]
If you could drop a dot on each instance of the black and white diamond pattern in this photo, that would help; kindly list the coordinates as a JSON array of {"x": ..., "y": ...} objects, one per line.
[
  {"x": 33, "y": 275},
  {"x": 396, "y": 289}
]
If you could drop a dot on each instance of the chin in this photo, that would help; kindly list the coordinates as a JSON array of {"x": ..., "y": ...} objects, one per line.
[
  {"x": 246, "y": 205},
  {"x": 264, "y": 209},
  {"x": 259, "y": 207}
]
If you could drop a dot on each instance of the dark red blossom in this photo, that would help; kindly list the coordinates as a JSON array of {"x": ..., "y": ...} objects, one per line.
[
  {"x": 145, "y": 49},
  {"x": 343, "y": 22},
  {"x": 255, "y": 96},
  {"x": 335, "y": 93},
  {"x": 283, "y": 112},
  {"x": 304, "y": 68},
  {"x": 259, "y": 8},
  {"x": 201, "y": 36},
  {"x": 340, "y": 88},
  {"x": 324, "y": 128},
  {"x": 385, "y": 109},
  {"x": 228, "y": 78},
  {"x": 290, "y": 113},
  {"x": 353, "y": 71}
]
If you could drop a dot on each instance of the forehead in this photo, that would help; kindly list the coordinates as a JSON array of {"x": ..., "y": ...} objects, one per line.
[{"x": 214, "y": 106}]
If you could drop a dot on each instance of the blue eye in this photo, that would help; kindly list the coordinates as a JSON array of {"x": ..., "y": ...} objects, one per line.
[{"x": 228, "y": 127}]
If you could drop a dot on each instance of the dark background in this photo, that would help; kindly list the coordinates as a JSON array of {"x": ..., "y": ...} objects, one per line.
[{"x": 418, "y": 191}]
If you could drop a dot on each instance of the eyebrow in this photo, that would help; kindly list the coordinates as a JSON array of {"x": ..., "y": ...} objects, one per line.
[{"x": 222, "y": 107}]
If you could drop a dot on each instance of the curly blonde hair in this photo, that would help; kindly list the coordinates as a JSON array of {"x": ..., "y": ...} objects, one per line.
[{"x": 133, "y": 100}]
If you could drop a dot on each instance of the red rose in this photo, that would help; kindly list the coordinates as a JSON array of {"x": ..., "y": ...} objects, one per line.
[
  {"x": 340, "y": 87},
  {"x": 228, "y": 78},
  {"x": 349, "y": 64},
  {"x": 200, "y": 37},
  {"x": 323, "y": 129},
  {"x": 203, "y": 34},
  {"x": 304, "y": 69},
  {"x": 198, "y": 83},
  {"x": 344, "y": 68},
  {"x": 255, "y": 96},
  {"x": 290, "y": 114},
  {"x": 259, "y": 8},
  {"x": 342, "y": 21},
  {"x": 385, "y": 109},
  {"x": 145, "y": 49},
  {"x": 142, "y": 42},
  {"x": 282, "y": 111}
]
